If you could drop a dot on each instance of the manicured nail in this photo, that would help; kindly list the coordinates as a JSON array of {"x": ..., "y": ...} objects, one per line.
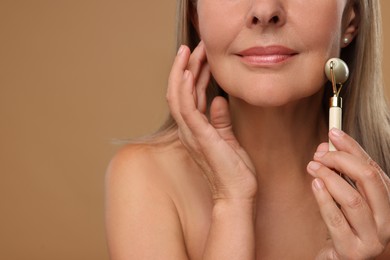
[
  {"x": 181, "y": 49},
  {"x": 336, "y": 132},
  {"x": 318, "y": 184},
  {"x": 319, "y": 154},
  {"x": 314, "y": 166}
]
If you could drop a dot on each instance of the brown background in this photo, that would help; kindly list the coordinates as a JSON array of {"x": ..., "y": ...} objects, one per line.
[{"x": 75, "y": 74}]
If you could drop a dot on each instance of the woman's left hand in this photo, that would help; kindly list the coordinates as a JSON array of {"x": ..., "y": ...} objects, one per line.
[{"x": 358, "y": 220}]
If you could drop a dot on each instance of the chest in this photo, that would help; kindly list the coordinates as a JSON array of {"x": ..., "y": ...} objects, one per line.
[
  {"x": 287, "y": 226},
  {"x": 280, "y": 234}
]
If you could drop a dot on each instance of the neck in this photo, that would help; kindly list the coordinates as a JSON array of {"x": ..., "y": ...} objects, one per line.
[{"x": 280, "y": 140}]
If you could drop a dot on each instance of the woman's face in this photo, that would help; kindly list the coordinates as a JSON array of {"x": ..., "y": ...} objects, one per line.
[{"x": 271, "y": 52}]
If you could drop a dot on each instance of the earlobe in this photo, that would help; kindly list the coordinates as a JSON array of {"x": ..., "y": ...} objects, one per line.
[
  {"x": 346, "y": 40},
  {"x": 351, "y": 25}
]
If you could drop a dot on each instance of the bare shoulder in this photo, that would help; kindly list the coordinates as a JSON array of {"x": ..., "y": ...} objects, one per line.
[
  {"x": 139, "y": 160},
  {"x": 141, "y": 218},
  {"x": 153, "y": 165}
]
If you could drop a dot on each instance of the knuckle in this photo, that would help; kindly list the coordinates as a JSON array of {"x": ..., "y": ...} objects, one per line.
[
  {"x": 371, "y": 174},
  {"x": 168, "y": 97},
  {"x": 338, "y": 157},
  {"x": 355, "y": 202},
  {"x": 328, "y": 254},
  {"x": 186, "y": 114},
  {"x": 372, "y": 163},
  {"x": 196, "y": 61},
  {"x": 332, "y": 255},
  {"x": 351, "y": 143},
  {"x": 337, "y": 220}
]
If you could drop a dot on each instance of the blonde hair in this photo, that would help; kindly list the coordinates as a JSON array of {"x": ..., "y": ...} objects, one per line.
[{"x": 366, "y": 116}]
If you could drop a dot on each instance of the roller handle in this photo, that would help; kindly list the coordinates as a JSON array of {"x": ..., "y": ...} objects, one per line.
[{"x": 335, "y": 119}]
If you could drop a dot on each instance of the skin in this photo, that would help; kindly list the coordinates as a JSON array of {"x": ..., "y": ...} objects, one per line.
[
  {"x": 252, "y": 181},
  {"x": 296, "y": 28}
]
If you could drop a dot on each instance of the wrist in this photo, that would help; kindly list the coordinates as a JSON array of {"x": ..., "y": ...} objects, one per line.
[{"x": 234, "y": 207}]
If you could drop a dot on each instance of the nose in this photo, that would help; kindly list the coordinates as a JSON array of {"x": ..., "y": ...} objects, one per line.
[{"x": 266, "y": 13}]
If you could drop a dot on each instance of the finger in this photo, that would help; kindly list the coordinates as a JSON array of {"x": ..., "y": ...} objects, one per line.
[
  {"x": 206, "y": 134},
  {"x": 353, "y": 205},
  {"x": 180, "y": 82},
  {"x": 344, "y": 142},
  {"x": 196, "y": 65},
  {"x": 323, "y": 147},
  {"x": 192, "y": 118},
  {"x": 337, "y": 225},
  {"x": 201, "y": 85},
  {"x": 220, "y": 119},
  {"x": 184, "y": 61},
  {"x": 368, "y": 181},
  {"x": 189, "y": 112},
  {"x": 185, "y": 134},
  {"x": 385, "y": 178},
  {"x": 175, "y": 80},
  {"x": 197, "y": 59}
]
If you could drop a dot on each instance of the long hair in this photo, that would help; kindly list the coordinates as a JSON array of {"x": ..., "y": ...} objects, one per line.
[
  {"x": 366, "y": 116},
  {"x": 366, "y": 112}
]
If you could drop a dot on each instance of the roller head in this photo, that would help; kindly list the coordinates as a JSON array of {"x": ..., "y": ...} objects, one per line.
[{"x": 340, "y": 70}]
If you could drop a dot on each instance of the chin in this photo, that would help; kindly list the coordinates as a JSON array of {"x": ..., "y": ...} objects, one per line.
[
  {"x": 268, "y": 101},
  {"x": 273, "y": 97},
  {"x": 269, "y": 88}
]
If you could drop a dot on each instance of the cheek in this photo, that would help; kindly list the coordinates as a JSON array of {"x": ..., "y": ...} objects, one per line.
[
  {"x": 320, "y": 31},
  {"x": 219, "y": 22}
]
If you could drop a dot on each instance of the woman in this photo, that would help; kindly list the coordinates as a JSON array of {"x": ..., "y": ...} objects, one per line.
[{"x": 242, "y": 169}]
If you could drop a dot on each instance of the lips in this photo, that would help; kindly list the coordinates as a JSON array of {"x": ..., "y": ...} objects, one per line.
[{"x": 266, "y": 56}]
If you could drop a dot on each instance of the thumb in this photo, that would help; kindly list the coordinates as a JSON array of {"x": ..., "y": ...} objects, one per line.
[
  {"x": 221, "y": 121},
  {"x": 220, "y": 118}
]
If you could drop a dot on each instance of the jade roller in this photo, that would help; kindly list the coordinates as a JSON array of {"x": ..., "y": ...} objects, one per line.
[{"x": 337, "y": 72}]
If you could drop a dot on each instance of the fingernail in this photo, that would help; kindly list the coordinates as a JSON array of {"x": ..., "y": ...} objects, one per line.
[
  {"x": 314, "y": 166},
  {"x": 336, "y": 132},
  {"x": 180, "y": 50},
  {"x": 318, "y": 184},
  {"x": 319, "y": 154}
]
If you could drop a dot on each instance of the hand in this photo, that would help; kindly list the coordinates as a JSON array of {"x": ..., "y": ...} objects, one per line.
[
  {"x": 360, "y": 227},
  {"x": 211, "y": 143}
]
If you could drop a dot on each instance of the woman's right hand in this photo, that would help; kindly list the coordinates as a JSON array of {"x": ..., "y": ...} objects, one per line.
[{"x": 211, "y": 143}]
